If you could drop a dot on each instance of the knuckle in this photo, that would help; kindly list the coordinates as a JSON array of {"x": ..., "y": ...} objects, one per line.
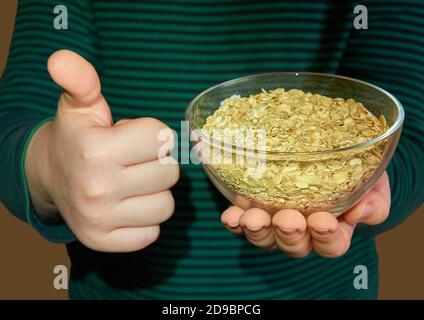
[
  {"x": 94, "y": 240},
  {"x": 380, "y": 216},
  {"x": 88, "y": 154},
  {"x": 153, "y": 123},
  {"x": 92, "y": 189},
  {"x": 385, "y": 212},
  {"x": 379, "y": 213},
  {"x": 175, "y": 174},
  {"x": 91, "y": 146},
  {"x": 95, "y": 218},
  {"x": 147, "y": 237},
  {"x": 151, "y": 236},
  {"x": 166, "y": 135},
  {"x": 159, "y": 130},
  {"x": 167, "y": 204},
  {"x": 86, "y": 216}
]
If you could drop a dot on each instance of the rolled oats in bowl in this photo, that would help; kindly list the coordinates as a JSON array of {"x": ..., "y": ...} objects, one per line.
[
  {"x": 297, "y": 121},
  {"x": 280, "y": 147}
]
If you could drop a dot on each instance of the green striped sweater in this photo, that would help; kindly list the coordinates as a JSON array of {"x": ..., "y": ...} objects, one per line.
[{"x": 153, "y": 57}]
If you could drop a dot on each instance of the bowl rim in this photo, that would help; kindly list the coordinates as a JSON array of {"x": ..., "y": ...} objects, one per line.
[{"x": 392, "y": 129}]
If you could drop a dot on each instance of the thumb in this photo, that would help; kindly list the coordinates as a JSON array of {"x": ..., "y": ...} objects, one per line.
[
  {"x": 374, "y": 206},
  {"x": 81, "y": 84}
]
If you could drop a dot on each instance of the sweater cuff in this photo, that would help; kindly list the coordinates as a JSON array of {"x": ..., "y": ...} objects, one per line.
[{"x": 59, "y": 233}]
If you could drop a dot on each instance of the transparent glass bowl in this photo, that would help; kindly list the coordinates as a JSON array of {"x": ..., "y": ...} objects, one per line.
[{"x": 375, "y": 99}]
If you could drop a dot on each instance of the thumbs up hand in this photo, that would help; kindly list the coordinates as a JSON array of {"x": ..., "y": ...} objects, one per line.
[{"x": 104, "y": 179}]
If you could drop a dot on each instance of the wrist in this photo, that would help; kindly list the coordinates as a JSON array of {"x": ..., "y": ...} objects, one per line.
[{"x": 37, "y": 173}]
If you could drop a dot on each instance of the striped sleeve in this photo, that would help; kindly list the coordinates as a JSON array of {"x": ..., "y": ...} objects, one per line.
[
  {"x": 28, "y": 97},
  {"x": 390, "y": 54}
]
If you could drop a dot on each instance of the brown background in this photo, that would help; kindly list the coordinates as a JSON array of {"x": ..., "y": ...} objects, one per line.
[{"x": 27, "y": 260}]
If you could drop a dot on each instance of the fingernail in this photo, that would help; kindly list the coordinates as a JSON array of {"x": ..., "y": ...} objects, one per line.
[
  {"x": 288, "y": 231},
  {"x": 366, "y": 210},
  {"x": 255, "y": 230},
  {"x": 233, "y": 225},
  {"x": 322, "y": 231}
]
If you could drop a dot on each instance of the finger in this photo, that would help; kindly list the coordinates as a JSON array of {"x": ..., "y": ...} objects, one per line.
[
  {"x": 147, "y": 178},
  {"x": 81, "y": 86},
  {"x": 383, "y": 186},
  {"x": 291, "y": 235},
  {"x": 121, "y": 122},
  {"x": 230, "y": 218},
  {"x": 374, "y": 207},
  {"x": 242, "y": 201},
  {"x": 256, "y": 225},
  {"x": 142, "y": 211},
  {"x": 140, "y": 140},
  {"x": 130, "y": 239},
  {"x": 330, "y": 238}
]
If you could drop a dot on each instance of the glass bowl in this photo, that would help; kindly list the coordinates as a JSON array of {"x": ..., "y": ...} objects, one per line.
[{"x": 273, "y": 197}]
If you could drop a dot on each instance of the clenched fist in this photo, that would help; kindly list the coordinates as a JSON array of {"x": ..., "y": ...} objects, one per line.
[{"x": 104, "y": 179}]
